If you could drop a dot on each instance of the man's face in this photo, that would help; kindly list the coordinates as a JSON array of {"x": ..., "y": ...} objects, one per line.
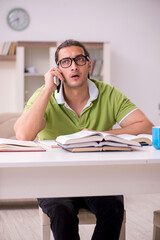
[{"x": 75, "y": 75}]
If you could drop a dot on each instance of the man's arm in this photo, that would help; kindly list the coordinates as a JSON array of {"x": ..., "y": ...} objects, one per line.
[
  {"x": 32, "y": 121},
  {"x": 135, "y": 123}
]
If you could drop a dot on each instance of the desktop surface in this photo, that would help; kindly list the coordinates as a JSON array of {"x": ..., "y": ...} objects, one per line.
[
  {"x": 60, "y": 157},
  {"x": 58, "y": 173}
]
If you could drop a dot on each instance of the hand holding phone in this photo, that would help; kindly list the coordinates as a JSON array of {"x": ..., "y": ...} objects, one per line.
[{"x": 53, "y": 78}]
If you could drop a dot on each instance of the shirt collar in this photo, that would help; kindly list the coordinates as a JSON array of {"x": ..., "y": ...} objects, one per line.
[{"x": 93, "y": 92}]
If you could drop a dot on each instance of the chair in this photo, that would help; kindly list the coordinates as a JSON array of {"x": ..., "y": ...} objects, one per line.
[
  {"x": 156, "y": 225},
  {"x": 7, "y": 121},
  {"x": 85, "y": 217}
]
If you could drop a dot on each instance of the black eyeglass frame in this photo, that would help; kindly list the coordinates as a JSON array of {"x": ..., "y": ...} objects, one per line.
[{"x": 73, "y": 59}]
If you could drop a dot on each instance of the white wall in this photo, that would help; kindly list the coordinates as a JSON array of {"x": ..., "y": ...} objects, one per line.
[{"x": 132, "y": 27}]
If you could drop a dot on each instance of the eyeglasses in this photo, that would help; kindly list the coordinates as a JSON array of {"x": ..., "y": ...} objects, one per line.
[{"x": 80, "y": 60}]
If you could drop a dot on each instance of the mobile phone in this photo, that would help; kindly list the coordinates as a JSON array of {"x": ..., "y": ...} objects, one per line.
[{"x": 58, "y": 83}]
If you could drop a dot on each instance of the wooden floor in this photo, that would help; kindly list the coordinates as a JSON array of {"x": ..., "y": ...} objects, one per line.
[{"x": 19, "y": 221}]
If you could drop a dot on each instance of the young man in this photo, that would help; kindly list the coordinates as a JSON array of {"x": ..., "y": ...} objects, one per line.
[{"x": 81, "y": 103}]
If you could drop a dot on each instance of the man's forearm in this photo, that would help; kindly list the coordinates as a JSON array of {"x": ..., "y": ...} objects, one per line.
[
  {"x": 32, "y": 121},
  {"x": 134, "y": 129}
]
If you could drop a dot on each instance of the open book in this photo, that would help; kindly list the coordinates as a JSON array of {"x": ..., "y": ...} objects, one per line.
[
  {"x": 95, "y": 141},
  {"x": 143, "y": 139},
  {"x": 11, "y": 145}
]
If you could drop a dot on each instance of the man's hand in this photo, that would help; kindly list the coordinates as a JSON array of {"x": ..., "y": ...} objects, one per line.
[{"x": 49, "y": 78}]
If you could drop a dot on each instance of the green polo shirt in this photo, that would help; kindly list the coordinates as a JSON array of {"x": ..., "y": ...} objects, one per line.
[{"x": 110, "y": 106}]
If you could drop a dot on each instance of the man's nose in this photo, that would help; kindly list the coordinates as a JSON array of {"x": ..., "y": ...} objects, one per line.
[{"x": 74, "y": 65}]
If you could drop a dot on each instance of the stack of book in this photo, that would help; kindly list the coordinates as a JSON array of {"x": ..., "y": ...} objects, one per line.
[
  {"x": 7, "y": 48},
  {"x": 93, "y": 141},
  {"x": 96, "y": 67}
]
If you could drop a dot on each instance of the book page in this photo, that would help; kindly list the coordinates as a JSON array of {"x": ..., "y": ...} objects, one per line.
[
  {"x": 8, "y": 141},
  {"x": 20, "y": 148},
  {"x": 117, "y": 138},
  {"x": 11, "y": 145},
  {"x": 82, "y": 136},
  {"x": 146, "y": 138},
  {"x": 132, "y": 137}
]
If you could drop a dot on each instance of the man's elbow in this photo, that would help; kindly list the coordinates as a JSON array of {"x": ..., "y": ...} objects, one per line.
[{"x": 21, "y": 135}]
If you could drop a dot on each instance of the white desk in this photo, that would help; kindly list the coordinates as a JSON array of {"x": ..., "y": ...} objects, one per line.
[{"x": 58, "y": 173}]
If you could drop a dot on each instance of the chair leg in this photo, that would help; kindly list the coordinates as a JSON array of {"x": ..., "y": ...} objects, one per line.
[
  {"x": 123, "y": 232},
  {"x": 45, "y": 235},
  {"x": 156, "y": 233},
  {"x": 45, "y": 225}
]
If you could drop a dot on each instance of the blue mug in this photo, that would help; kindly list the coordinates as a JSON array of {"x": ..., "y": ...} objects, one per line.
[{"x": 156, "y": 137}]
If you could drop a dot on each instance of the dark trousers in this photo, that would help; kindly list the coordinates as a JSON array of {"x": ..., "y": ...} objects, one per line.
[{"x": 64, "y": 221}]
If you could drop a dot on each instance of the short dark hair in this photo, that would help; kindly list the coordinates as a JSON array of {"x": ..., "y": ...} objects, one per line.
[{"x": 69, "y": 43}]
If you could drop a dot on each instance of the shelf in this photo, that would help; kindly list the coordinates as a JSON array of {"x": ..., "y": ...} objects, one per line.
[
  {"x": 36, "y": 44},
  {"x": 93, "y": 45},
  {"x": 7, "y": 58},
  {"x": 33, "y": 75}
]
